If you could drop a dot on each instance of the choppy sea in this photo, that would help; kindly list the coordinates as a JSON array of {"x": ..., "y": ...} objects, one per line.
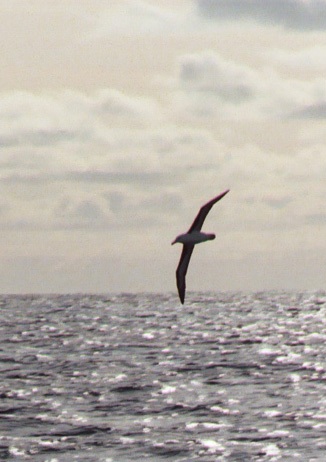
[{"x": 133, "y": 377}]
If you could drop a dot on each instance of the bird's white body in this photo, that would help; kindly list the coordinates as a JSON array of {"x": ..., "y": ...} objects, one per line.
[{"x": 196, "y": 237}]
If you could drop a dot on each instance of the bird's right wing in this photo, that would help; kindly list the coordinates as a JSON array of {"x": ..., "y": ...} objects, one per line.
[
  {"x": 202, "y": 214},
  {"x": 182, "y": 270}
]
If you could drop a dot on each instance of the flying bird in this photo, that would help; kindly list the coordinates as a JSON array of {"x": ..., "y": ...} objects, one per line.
[{"x": 189, "y": 240}]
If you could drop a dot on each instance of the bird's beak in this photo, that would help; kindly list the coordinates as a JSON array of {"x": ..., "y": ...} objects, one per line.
[{"x": 173, "y": 242}]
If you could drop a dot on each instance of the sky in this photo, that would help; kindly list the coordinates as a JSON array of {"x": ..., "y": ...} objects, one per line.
[{"x": 119, "y": 119}]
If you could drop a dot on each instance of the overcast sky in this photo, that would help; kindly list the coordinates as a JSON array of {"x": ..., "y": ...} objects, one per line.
[{"x": 119, "y": 119}]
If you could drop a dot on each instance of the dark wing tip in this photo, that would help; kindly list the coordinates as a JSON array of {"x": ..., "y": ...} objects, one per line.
[
  {"x": 222, "y": 194},
  {"x": 181, "y": 289}
]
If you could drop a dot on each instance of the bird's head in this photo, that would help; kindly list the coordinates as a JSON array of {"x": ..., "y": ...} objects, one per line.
[{"x": 176, "y": 240}]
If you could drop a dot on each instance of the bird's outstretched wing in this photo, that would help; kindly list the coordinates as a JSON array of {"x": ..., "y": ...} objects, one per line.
[
  {"x": 203, "y": 212},
  {"x": 182, "y": 270}
]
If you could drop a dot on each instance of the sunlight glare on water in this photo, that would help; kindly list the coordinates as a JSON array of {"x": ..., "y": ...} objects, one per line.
[{"x": 227, "y": 377}]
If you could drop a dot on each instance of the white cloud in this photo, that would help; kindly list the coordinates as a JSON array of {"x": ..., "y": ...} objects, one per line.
[
  {"x": 296, "y": 14},
  {"x": 211, "y": 74},
  {"x": 105, "y": 169},
  {"x": 58, "y": 181},
  {"x": 306, "y": 60},
  {"x": 210, "y": 85},
  {"x": 95, "y": 136},
  {"x": 313, "y": 111},
  {"x": 84, "y": 213},
  {"x": 139, "y": 18},
  {"x": 48, "y": 119}
]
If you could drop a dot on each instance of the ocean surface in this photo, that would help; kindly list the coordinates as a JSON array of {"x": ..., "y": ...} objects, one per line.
[{"x": 134, "y": 377}]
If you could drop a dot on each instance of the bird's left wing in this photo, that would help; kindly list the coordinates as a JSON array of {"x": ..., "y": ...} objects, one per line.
[
  {"x": 182, "y": 270},
  {"x": 203, "y": 212}
]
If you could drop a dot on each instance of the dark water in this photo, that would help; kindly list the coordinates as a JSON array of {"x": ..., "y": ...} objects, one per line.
[{"x": 228, "y": 377}]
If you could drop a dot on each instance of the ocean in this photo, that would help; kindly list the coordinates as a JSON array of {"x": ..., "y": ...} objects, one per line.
[{"x": 134, "y": 377}]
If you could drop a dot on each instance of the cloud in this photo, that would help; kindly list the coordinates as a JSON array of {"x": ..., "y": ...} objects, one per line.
[
  {"x": 293, "y": 14},
  {"x": 81, "y": 214},
  {"x": 121, "y": 169},
  {"x": 315, "y": 111},
  {"x": 305, "y": 60},
  {"x": 112, "y": 177},
  {"x": 309, "y": 165},
  {"x": 48, "y": 119},
  {"x": 115, "y": 209},
  {"x": 316, "y": 219},
  {"x": 209, "y": 73},
  {"x": 137, "y": 18},
  {"x": 115, "y": 149},
  {"x": 210, "y": 85},
  {"x": 114, "y": 103},
  {"x": 277, "y": 202}
]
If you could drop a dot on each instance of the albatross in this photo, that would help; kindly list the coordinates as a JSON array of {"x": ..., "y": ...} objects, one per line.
[{"x": 189, "y": 239}]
